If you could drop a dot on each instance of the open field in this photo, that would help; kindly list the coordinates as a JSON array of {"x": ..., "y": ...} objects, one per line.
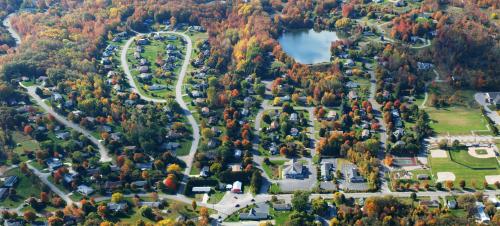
[{"x": 456, "y": 120}]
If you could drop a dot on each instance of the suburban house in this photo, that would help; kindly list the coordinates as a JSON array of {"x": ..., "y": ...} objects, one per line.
[
  {"x": 492, "y": 98},
  {"x": 201, "y": 189},
  {"x": 117, "y": 207},
  {"x": 293, "y": 169},
  {"x": 10, "y": 182},
  {"x": 63, "y": 135},
  {"x": 451, "y": 204},
  {"x": 260, "y": 212},
  {"x": 85, "y": 190},
  {"x": 332, "y": 115},
  {"x": 204, "y": 172},
  {"x": 327, "y": 169},
  {"x": 353, "y": 175},
  {"x": 3, "y": 193},
  {"x": 282, "y": 207},
  {"x": 481, "y": 216},
  {"x": 236, "y": 188},
  {"x": 54, "y": 163}
]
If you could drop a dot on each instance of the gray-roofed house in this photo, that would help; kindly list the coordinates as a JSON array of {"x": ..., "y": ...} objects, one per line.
[
  {"x": 117, "y": 207},
  {"x": 143, "y": 69},
  {"x": 293, "y": 169},
  {"x": 493, "y": 98},
  {"x": 85, "y": 190},
  {"x": 260, "y": 212},
  {"x": 3, "y": 193},
  {"x": 10, "y": 181},
  {"x": 282, "y": 207},
  {"x": 201, "y": 189},
  {"x": 353, "y": 175},
  {"x": 54, "y": 163},
  {"x": 63, "y": 135}
]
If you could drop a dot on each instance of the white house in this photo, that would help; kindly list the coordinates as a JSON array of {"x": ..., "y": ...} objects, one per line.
[
  {"x": 85, "y": 190},
  {"x": 480, "y": 214},
  {"x": 236, "y": 187}
]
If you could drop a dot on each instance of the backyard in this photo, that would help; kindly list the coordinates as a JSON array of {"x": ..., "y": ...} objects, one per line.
[{"x": 274, "y": 168}]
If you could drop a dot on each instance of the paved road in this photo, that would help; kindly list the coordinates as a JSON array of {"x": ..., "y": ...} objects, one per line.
[
  {"x": 44, "y": 178},
  {"x": 287, "y": 185},
  {"x": 7, "y": 23},
  {"x": 384, "y": 187},
  {"x": 103, "y": 151},
  {"x": 178, "y": 92},
  {"x": 481, "y": 99}
]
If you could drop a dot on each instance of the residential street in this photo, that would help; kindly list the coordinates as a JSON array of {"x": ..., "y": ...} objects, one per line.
[
  {"x": 178, "y": 95},
  {"x": 7, "y": 23},
  {"x": 103, "y": 151},
  {"x": 44, "y": 178},
  {"x": 480, "y": 98}
]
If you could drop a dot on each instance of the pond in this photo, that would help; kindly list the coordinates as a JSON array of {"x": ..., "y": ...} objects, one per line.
[{"x": 308, "y": 46}]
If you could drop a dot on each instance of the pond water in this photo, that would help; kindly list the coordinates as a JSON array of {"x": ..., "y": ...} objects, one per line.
[{"x": 308, "y": 46}]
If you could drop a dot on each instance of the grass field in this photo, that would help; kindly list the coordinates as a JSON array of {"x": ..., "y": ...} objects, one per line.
[
  {"x": 461, "y": 172},
  {"x": 463, "y": 157},
  {"x": 456, "y": 120}
]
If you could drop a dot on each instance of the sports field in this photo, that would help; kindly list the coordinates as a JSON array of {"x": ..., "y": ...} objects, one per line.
[
  {"x": 462, "y": 168},
  {"x": 456, "y": 120}
]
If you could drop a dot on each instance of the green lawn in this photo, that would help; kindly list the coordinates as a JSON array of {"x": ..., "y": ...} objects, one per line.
[
  {"x": 274, "y": 189},
  {"x": 26, "y": 187},
  {"x": 461, "y": 172},
  {"x": 461, "y": 156},
  {"x": 273, "y": 169},
  {"x": 456, "y": 120},
  {"x": 216, "y": 197},
  {"x": 175, "y": 209},
  {"x": 279, "y": 216}
]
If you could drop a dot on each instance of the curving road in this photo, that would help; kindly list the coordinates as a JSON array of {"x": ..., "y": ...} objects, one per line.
[
  {"x": 178, "y": 91},
  {"x": 7, "y": 23},
  {"x": 103, "y": 151}
]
